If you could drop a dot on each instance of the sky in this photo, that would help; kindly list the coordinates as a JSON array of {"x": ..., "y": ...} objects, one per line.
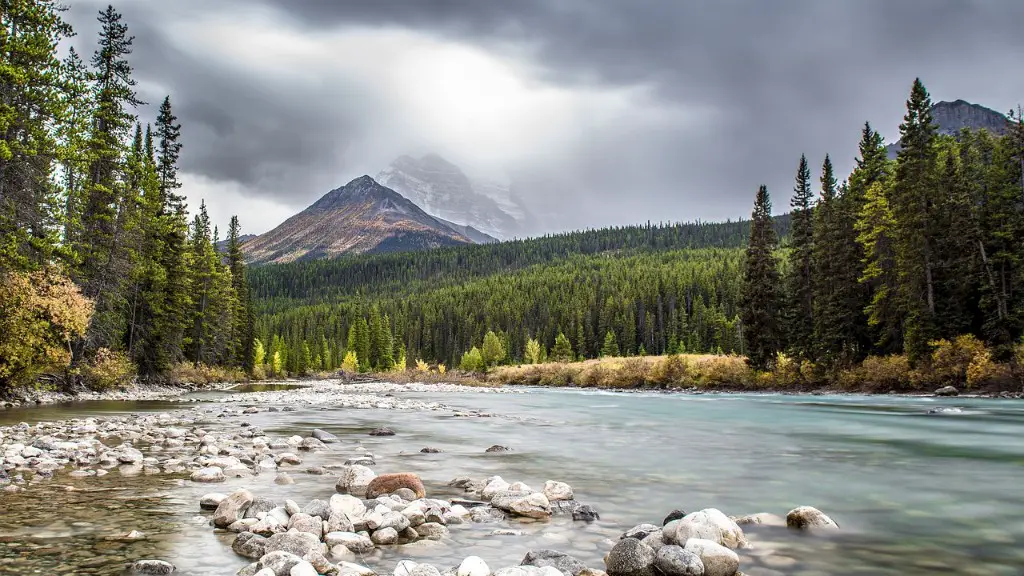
[{"x": 602, "y": 112}]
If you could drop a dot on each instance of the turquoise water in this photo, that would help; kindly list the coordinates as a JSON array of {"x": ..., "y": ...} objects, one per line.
[{"x": 915, "y": 492}]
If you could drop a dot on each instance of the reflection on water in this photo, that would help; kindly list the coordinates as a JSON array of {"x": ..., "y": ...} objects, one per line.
[{"x": 915, "y": 493}]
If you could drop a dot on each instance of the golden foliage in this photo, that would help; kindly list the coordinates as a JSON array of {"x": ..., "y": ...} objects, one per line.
[
  {"x": 108, "y": 369},
  {"x": 189, "y": 373},
  {"x": 40, "y": 314},
  {"x": 951, "y": 361},
  {"x": 422, "y": 366}
]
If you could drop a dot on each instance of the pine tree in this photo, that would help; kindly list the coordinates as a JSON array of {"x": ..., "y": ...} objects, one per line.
[
  {"x": 242, "y": 330},
  {"x": 493, "y": 351},
  {"x": 799, "y": 282},
  {"x": 912, "y": 206},
  {"x": 363, "y": 346},
  {"x": 610, "y": 348},
  {"x": 386, "y": 346},
  {"x": 562, "y": 350},
  {"x": 760, "y": 300}
]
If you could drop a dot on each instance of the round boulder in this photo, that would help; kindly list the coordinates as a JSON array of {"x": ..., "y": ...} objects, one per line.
[
  {"x": 557, "y": 491},
  {"x": 708, "y": 524},
  {"x": 809, "y": 518},
  {"x": 717, "y": 559},
  {"x": 561, "y": 561},
  {"x": 677, "y": 561},
  {"x": 388, "y": 483},
  {"x": 473, "y": 566},
  {"x": 152, "y": 568},
  {"x": 232, "y": 509},
  {"x": 250, "y": 545},
  {"x": 297, "y": 543},
  {"x": 630, "y": 557}
]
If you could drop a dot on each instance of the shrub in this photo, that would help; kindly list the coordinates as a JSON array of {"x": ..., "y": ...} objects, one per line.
[
  {"x": 558, "y": 375},
  {"x": 493, "y": 352},
  {"x": 441, "y": 369},
  {"x": 787, "y": 372},
  {"x": 952, "y": 360},
  {"x": 633, "y": 373},
  {"x": 108, "y": 369},
  {"x": 880, "y": 373},
  {"x": 422, "y": 366},
  {"x": 472, "y": 361},
  {"x": 188, "y": 373},
  {"x": 351, "y": 362},
  {"x": 983, "y": 371},
  {"x": 40, "y": 313},
  {"x": 672, "y": 370},
  {"x": 722, "y": 371},
  {"x": 533, "y": 351}
]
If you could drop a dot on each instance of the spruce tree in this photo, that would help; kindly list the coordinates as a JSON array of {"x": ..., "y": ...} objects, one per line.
[
  {"x": 760, "y": 300},
  {"x": 799, "y": 326},
  {"x": 610, "y": 348},
  {"x": 562, "y": 350},
  {"x": 913, "y": 202},
  {"x": 242, "y": 335}
]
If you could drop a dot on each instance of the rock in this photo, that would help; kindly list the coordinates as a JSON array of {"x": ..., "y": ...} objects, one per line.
[
  {"x": 288, "y": 458},
  {"x": 352, "y": 569},
  {"x": 494, "y": 486},
  {"x": 762, "y": 519},
  {"x": 259, "y": 508},
  {"x": 211, "y": 501},
  {"x": 297, "y": 543},
  {"x": 498, "y": 448},
  {"x": 243, "y": 525},
  {"x": 640, "y": 531},
  {"x": 307, "y": 524},
  {"x": 520, "y": 487},
  {"x": 318, "y": 508},
  {"x": 707, "y": 524},
  {"x": 425, "y": 570},
  {"x": 355, "y": 479},
  {"x": 283, "y": 479},
  {"x": 384, "y": 536},
  {"x": 405, "y": 494},
  {"x": 808, "y": 517},
  {"x": 312, "y": 444},
  {"x": 673, "y": 515},
  {"x": 388, "y": 483},
  {"x": 291, "y": 508},
  {"x": 319, "y": 562},
  {"x": 324, "y": 436},
  {"x": 348, "y": 505},
  {"x": 209, "y": 475},
  {"x": 250, "y": 545},
  {"x": 357, "y": 543},
  {"x": 563, "y": 562},
  {"x": 429, "y": 450},
  {"x": 677, "y": 561},
  {"x": 557, "y": 491},
  {"x": 280, "y": 562},
  {"x": 473, "y": 566},
  {"x": 630, "y": 556},
  {"x": 947, "y": 391},
  {"x": 535, "y": 505},
  {"x": 717, "y": 559},
  {"x": 361, "y": 460},
  {"x": 656, "y": 540},
  {"x": 585, "y": 513},
  {"x": 432, "y": 531},
  {"x": 486, "y": 515},
  {"x": 303, "y": 568},
  {"x": 152, "y": 568},
  {"x": 382, "y": 431},
  {"x": 339, "y": 522},
  {"x": 232, "y": 509}
]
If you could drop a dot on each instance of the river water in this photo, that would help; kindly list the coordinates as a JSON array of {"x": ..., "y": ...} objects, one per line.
[{"x": 915, "y": 492}]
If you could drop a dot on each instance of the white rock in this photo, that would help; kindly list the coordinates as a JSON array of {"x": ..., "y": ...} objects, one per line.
[
  {"x": 473, "y": 566},
  {"x": 303, "y": 569},
  {"x": 557, "y": 491},
  {"x": 717, "y": 559},
  {"x": 535, "y": 505},
  {"x": 495, "y": 485},
  {"x": 210, "y": 474},
  {"x": 708, "y": 524}
]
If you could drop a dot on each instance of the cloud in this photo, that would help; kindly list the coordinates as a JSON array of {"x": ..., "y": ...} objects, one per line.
[{"x": 605, "y": 112}]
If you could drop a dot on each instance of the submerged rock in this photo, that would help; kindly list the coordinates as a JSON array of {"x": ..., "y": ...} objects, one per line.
[
  {"x": 809, "y": 517},
  {"x": 947, "y": 391},
  {"x": 382, "y": 431},
  {"x": 152, "y": 568},
  {"x": 559, "y": 560}
]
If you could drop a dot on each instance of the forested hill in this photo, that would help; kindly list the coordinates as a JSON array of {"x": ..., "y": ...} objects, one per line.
[{"x": 395, "y": 273}]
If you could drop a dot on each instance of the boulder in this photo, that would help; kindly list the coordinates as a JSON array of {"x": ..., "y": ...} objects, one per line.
[
  {"x": 250, "y": 545},
  {"x": 312, "y": 444},
  {"x": 388, "y": 483},
  {"x": 405, "y": 494},
  {"x": 473, "y": 566},
  {"x": 152, "y": 568},
  {"x": 348, "y": 505},
  {"x": 357, "y": 543},
  {"x": 673, "y": 515},
  {"x": 384, "y": 536},
  {"x": 708, "y": 524},
  {"x": 520, "y": 487},
  {"x": 339, "y": 522},
  {"x": 324, "y": 436},
  {"x": 535, "y": 505},
  {"x": 259, "y": 508},
  {"x": 355, "y": 479},
  {"x": 656, "y": 540},
  {"x": 947, "y": 391},
  {"x": 558, "y": 560},
  {"x": 429, "y": 450},
  {"x": 211, "y": 501},
  {"x": 297, "y": 543},
  {"x": 585, "y": 513},
  {"x": 808, "y": 518},
  {"x": 631, "y": 557},
  {"x": 306, "y": 524},
  {"x": 232, "y": 509},
  {"x": 280, "y": 562},
  {"x": 557, "y": 491},
  {"x": 382, "y": 431},
  {"x": 494, "y": 486},
  {"x": 432, "y": 531},
  {"x": 303, "y": 568},
  {"x": 318, "y": 508},
  {"x": 498, "y": 448},
  {"x": 717, "y": 559},
  {"x": 486, "y": 515},
  {"x": 425, "y": 570},
  {"x": 319, "y": 562},
  {"x": 640, "y": 531},
  {"x": 677, "y": 561},
  {"x": 208, "y": 475}
]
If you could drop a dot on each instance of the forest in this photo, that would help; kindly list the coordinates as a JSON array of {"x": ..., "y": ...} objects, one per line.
[
  {"x": 911, "y": 261},
  {"x": 103, "y": 275}
]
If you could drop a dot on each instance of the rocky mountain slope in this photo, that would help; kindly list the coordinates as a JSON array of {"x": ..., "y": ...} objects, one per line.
[
  {"x": 360, "y": 217},
  {"x": 443, "y": 190},
  {"x": 951, "y": 117}
]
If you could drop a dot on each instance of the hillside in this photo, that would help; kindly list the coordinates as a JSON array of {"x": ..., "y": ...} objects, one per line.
[{"x": 360, "y": 217}]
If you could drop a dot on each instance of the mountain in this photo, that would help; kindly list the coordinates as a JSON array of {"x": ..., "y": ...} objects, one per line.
[
  {"x": 473, "y": 234},
  {"x": 360, "y": 217},
  {"x": 951, "y": 117},
  {"x": 222, "y": 245},
  {"x": 443, "y": 190}
]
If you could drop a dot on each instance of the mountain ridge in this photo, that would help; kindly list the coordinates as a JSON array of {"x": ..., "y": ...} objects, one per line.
[{"x": 951, "y": 117}]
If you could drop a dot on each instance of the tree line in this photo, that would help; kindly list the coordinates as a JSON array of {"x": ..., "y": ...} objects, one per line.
[
  {"x": 901, "y": 257},
  {"x": 102, "y": 273}
]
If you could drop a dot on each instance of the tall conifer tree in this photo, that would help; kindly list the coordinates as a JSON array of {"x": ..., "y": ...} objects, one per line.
[
  {"x": 799, "y": 283},
  {"x": 760, "y": 302}
]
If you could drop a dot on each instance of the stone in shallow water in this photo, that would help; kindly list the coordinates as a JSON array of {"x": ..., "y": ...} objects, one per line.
[
  {"x": 559, "y": 560},
  {"x": 250, "y": 545},
  {"x": 211, "y": 501},
  {"x": 303, "y": 569},
  {"x": 676, "y": 561},
  {"x": 279, "y": 562},
  {"x": 809, "y": 517},
  {"x": 498, "y": 448},
  {"x": 708, "y": 524},
  {"x": 473, "y": 566},
  {"x": 640, "y": 531},
  {"x": 717, "y": 559},
  {"x": 210, "y": 474},
  {"x": 324, "y": 436},
  {"x": 384, "y": 536},
  {"x": 152, "y": 568},
  {"x": 557, "y": 491},
  {"x": 630, "y": 557},
  {"x": 232, "y": 509},
  {"x": 382, "y": 431},
  {"x": 297, "y": 543},
  {"x": 585, "y": 513},
  {"x": 388, "y": 483}
]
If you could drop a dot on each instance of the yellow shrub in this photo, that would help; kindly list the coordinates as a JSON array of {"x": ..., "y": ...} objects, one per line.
[
  {"x": 672, "y": 370},
  {"x": 351, "y": 362},
  {"x": 108, "y": 369},
  {"x": 984, "y": 371},
  {"x": 722, "y": 371},
  {"x": 188, "y": 373},
  {"x": 422, "y": 366},
  {"x": 441, "y": 369},
  {"x": 951, "y": 360},
  {"x": 880, "y": 373},
  {"x": 633, "y": 372}
]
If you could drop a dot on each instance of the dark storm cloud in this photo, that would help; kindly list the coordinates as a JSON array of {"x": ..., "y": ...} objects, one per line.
[{"x": 774, "y": 79}]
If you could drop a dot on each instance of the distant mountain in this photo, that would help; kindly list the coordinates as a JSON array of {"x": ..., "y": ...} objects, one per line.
[
  {"x": 473, "y": 234},
  {"x": 222, "y": 246},
  {"x": 443, "y": 190},
  {"x": 951, "y": 117},
  {"x": 360, "y": 217}
]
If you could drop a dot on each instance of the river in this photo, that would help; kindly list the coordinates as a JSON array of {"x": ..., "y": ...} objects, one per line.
[{"x": 915, "y": 492}]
